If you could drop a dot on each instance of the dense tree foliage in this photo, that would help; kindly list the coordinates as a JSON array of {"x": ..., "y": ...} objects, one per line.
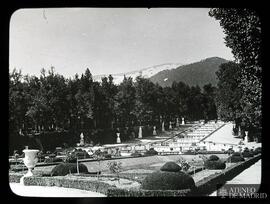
[
  {"x": 52, "y": 103},
  {"x": 242, "y": 28},
  {"x": 229, "y": 92}
]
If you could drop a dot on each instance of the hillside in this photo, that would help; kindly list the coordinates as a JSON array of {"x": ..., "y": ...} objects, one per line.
[
  {"x": 198, "y": 73},
  {"x": 146, "y": 72}
]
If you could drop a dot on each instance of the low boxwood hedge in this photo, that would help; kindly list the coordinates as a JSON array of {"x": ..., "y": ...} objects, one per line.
[
  {"x": 96, "y": 186},
  {"x": 208, "y": 164},
  {"x": 15, "y": 177},
  {"x": 116, "y": 192},
  {"x": 235, "y": 159},
  {"x": 66, "y": 168}
]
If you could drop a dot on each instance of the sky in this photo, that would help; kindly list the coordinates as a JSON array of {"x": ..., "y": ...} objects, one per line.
[{"x": 111, "y": 40}]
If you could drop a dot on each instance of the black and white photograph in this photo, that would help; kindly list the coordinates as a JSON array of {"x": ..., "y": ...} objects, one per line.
[{"x": 135, "y": 102}]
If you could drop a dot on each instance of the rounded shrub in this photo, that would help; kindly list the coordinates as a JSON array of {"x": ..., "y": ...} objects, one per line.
[
  {"x": 238, "y": 154},
  {"x": 213, "y": 158},
  {"x": 217, "y": 164},
  {"x": 258, "y": 150},
  {"x": 247, "y": 154},
  {"x": 66, "y": 168},
  {"x": 164, "y": 180},
  {"x": 171, "y": 167},
  {"x": 235, "y": 159}
]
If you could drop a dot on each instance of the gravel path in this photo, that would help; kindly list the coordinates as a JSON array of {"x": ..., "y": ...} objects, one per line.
[{"x": 45, "y": 191}]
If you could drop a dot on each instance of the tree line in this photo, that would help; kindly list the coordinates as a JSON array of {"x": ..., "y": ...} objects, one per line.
[{"x": 52, "y": 102}]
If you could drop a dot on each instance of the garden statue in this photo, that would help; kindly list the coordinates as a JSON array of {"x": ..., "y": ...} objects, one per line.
[
  {"x": 183, "y": 121},
  {"x": 177, "y": 122},
  {"x": 154, "y": 130},
  {"x": 118, "y": 140},
  {"x": 246, "y": 136},
  {"x": 81, "y": 140},
  {"x": 140, "y": 132},
  {"x": 170, "y": 126},
  {"x": 163, "y": 126}
]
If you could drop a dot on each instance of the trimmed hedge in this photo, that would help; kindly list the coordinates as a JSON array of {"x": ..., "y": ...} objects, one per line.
[
  {"x": 52, "y": 160},
  {"x": 208, "y": 164},
  {"x": 258, "y": 150},
  {"x": 171, "y": 167},
  {"x": 66, "y": 168},
  {"x": 15, "y": 177},
  {"x": 247, "y": 154},
  {"x": 96, "y": 186},
  {"x": 115, "y": 192},
  {"x": 163, "y": 180},
  {"x": 235, "y": 159}
]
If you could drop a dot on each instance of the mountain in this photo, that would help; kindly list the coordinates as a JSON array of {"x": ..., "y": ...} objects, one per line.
[
  {"x": 146, "y": 72},
  {"x": 198, "y": 73}
]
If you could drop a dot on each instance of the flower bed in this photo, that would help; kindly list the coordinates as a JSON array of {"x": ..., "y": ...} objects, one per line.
[{"x": 90, "y": 183}]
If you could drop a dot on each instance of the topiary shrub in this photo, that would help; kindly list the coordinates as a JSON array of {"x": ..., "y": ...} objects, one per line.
[
  {"x": 170, "y": 177},
  {"x": 66, "y": 168},
  {"x": 217, "y": 164},
  {"x": 238, "y": 154},
  {"x": 258, "y": 150},
  {"x": 164, "y": 180},
  {"x": 71, "y": 158},
  {"x": 235, "y": 159},
  {"x": 171, "y": 167},
  {"x": 213, "y": 158},
  {"x": 247, "y": 154}
]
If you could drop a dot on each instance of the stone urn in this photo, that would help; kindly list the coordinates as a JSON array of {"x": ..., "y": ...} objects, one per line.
[{"x": 30, "y": 160}]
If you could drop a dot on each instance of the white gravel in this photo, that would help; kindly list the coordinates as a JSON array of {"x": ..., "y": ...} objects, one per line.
[{"x": 45, "y": 191}]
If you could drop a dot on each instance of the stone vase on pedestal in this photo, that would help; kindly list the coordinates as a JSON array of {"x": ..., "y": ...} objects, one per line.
[
  {"x": 118, "y": 140},
  {"x": 30, "y": 160},
  {"x": 170, "y": 126}
]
